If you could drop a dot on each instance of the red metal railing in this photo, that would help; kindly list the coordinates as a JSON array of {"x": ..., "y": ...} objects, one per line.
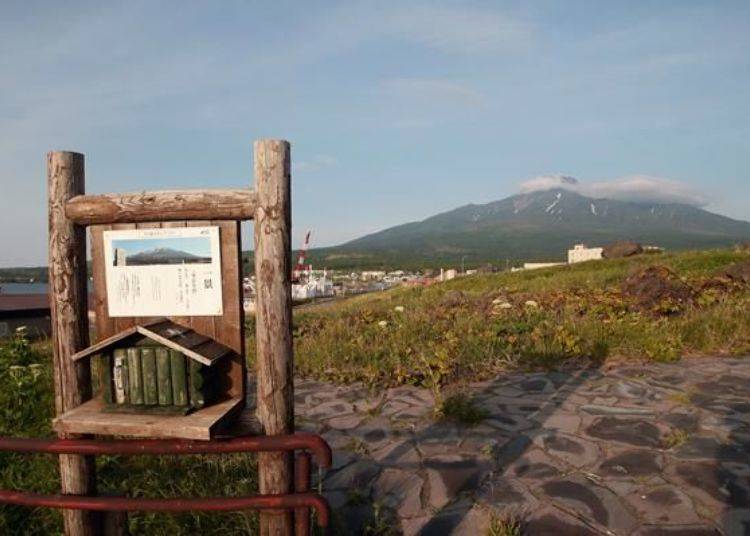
[{"x": 300, "y": 501}]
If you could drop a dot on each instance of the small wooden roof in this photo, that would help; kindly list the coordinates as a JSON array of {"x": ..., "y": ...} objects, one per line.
[{"x": 163, "y": 331}]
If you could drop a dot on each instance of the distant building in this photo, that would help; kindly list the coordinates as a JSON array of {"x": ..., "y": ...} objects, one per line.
[
  {"x": 581, "y": 253},
  {"x": 447, "y": 275},
  {"x": 372, "y": 274},
  {"x": 29, "y": 311}
]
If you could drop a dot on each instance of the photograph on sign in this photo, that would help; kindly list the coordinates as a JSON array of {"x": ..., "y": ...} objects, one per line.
[{"x": 163, "y": 272}]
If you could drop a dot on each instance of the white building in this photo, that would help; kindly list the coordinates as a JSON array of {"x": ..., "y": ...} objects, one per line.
[
  {"x": 313, "y": 288},
  {"x": 580, "y": 253}
]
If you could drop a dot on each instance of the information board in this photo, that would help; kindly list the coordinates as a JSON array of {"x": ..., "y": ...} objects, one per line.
[{"x": 163, "y": 272}]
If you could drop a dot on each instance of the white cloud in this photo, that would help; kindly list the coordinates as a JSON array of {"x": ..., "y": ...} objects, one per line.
[
  {"x": 637, "y": 188},
  {"x": 316, "y": 163},
  {"x": 438, "y": 91},
  {"x": 458, "y": 29}
]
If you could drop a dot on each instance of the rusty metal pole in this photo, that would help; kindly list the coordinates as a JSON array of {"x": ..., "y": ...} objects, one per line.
[
  {"x": 273, "y": 320},
  {"x": 70, "y": 329},
  {"x": 302, "y": 485}
]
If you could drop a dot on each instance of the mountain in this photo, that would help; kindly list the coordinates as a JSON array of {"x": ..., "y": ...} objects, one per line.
[
  {"x": 164, "y": 256},
  {"x": 535, "y": 226}
]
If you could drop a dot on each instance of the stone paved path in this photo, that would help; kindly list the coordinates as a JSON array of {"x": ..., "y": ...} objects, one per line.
[{"x": 658, "y": 449}]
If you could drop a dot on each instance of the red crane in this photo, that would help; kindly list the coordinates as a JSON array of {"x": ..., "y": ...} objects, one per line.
[{"x": 300, "y": 267}]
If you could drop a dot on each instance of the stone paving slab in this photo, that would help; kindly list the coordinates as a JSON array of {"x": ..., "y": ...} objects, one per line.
[{"x": 658, "y": 449}]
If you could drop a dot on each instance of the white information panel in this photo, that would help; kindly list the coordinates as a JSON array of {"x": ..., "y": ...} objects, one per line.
[{"x": 163, "y": 272}]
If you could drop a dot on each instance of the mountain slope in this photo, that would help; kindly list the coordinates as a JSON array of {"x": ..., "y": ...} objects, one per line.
[
  {"x": 164, "y": 256},
  {"x": 537, "y": 226}
]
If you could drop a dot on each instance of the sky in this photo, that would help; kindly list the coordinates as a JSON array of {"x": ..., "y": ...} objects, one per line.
[{"x": 395, "y": 110}]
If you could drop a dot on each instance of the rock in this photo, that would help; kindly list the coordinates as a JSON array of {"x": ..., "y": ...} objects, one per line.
[
  {"x": 476, "y": 521},
  {"x": 678, "y": 530},
  {"x": 739, "y": 272},
  {"x": 512, "y": 450},
  {"x": 591, "y": 502},
  {"x": 737, "y": 521},
  {"x": 398, "y": 454},
  {"x": 399, "y": 490},
  {"x": 345, "y": 422},
  {"x": 630, "y": 431},
  {"x": 562, "y": 422},
  {"x": 358, "y": 475},
  {"x": 594, "y": 409},
  {"x": 631, "y": 463},
  {"x": 531, "y": 303},
  {"x": 535, "y": 466},
  {"x": 711, "y": 483},
  {"x": 569, "y": 448},
  {"x": 453, "y": 298},
  {"x": 663, "y": 504},
  {"x": 553, "y": 522},
  {"x": 537, "y": 385},
  {"x": 623, "y": 248},
  {"x": 506, "y": 494},
  {"x": 711, "y": 448},
  {"x": 654, "y": 286},
  {"x": 450, "y": 474}
]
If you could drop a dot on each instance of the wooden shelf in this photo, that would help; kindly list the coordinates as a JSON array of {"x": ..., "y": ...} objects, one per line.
[{"x": 89, "y": 418}]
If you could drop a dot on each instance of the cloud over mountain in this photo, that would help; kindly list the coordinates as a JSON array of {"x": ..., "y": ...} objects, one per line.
[{"x": 636, "y": 188}]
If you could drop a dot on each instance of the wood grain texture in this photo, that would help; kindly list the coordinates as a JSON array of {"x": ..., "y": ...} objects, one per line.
[
  {"x": 104, "y": 324},
  {"x": 168, "y": 205},
  {"x": 275, "y": 394},
  {"x": 91, "y": 418},
  {"x": 166, "y": 332},
  {"x": 69, "y": 314},
  {"x": 231, "y": 330},
  {"x": 227, "y": 329}
]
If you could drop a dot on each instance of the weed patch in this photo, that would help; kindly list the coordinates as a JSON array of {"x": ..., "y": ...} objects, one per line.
[
  {"x": 461, "y": 409},
  {"x": 475, "y": 327}
]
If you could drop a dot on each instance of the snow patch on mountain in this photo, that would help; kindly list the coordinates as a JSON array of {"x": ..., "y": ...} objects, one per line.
[{"x": 635, "y": 188}]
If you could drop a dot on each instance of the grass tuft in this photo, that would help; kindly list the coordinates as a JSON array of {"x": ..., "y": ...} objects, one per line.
[
  {"x": 505, "y": 524},
  {"x": 461, "y": 409}
]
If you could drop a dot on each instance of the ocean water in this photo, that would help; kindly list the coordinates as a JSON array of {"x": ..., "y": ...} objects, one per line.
[{"x": 23, "y": 288}]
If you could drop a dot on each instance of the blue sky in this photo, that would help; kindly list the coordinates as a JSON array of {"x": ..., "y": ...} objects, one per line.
[{"x": 395, "y": 110}]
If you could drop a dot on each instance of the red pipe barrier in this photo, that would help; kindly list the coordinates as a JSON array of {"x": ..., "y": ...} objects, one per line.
[
  {"x": 210, "y": 504},
  {"x": 132, "y": 447},
  {"x": 302, "y": 485},
  {"x": 90, "y": 447}
]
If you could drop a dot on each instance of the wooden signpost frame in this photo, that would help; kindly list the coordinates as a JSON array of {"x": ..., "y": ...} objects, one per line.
[{"x": 269, "y": 205}]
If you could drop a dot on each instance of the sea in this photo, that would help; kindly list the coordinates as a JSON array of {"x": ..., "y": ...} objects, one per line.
[{"x": 23, "y": 288}]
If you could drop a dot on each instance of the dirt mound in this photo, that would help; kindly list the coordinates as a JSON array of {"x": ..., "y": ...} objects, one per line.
[
  {"x": 453, "y": 298},
  {"x": 658, "y": 289},
  {"x": 624, "y": 248},
  {"x": 739, "y": 272}
]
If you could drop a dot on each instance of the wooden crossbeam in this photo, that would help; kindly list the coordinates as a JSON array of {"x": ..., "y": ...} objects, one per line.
[{"x": 164, "y": 205}]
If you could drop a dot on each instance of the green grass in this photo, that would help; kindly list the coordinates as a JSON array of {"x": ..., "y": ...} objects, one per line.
[
  {"x": 505, "y": 524},
  {"x": 26, "y": 410},
  {"x": 461, "y": 409},
  {"x": 452, "y": 332}
]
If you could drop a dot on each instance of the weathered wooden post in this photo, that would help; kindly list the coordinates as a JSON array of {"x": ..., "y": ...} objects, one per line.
[
  {"x": 275, "y": 404},
  {"x": 68, "y": 302}
]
